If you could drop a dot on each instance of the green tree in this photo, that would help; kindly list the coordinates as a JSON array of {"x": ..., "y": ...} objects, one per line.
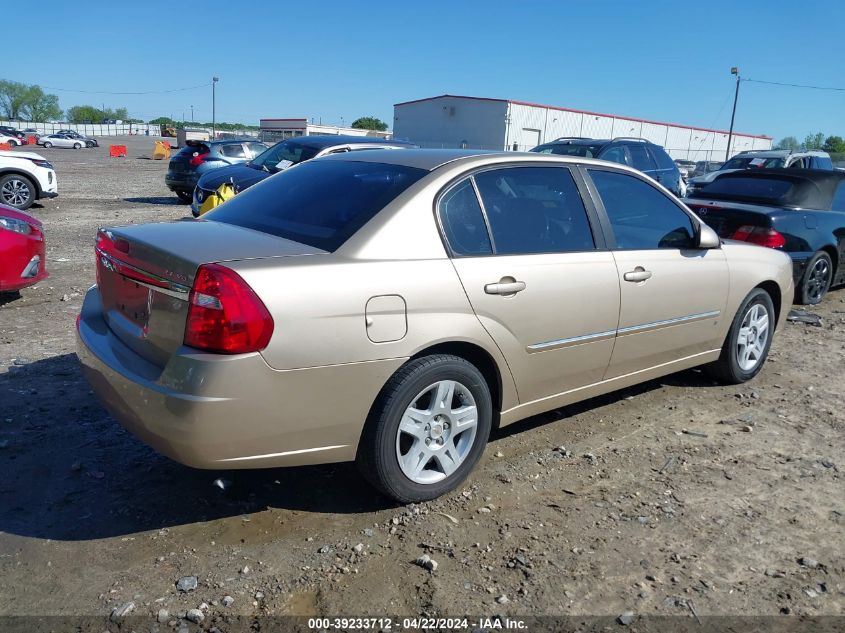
[
  {"x": 369, "y": 123},
  {"x": 788, "y": 142},
  {"x": 41, "y": 106},
  {"x": 13, "y": 99},
  {"x": 814, "y": 141},
  {"x": 834, "y": 145},
  {"x": 84, "y": 114},
  {"x": 163, "y": 120}
]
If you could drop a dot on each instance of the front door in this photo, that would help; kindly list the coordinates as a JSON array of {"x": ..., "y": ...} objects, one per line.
[
  {"x": 530, "y": 267},
  {"x": 673, "y": 294}
]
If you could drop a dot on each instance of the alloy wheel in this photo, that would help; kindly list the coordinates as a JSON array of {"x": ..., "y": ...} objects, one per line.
[
  {"x": 15, "y": 192},
  {"x": 818, "y": 280},
  {"x": 437, "y": 432},
  {"x": 753, "y": 337}
]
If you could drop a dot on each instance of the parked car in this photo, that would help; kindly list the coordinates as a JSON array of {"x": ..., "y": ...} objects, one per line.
[
  {"x": 24, "y": 178},
  {"x": 798, "y": 211},
  {"x": 13, "y": 141},
  {"x": 703, "y": 167},
  {"x": 31, "y": 131},
  {"x": 282, "y": 155},
  {"x": 638, "y": 153},
  {"x": 685, "y": 167},
  {"x": 199, "y": 157},
  {"x": 22, "y": 253},
  {"x": 765, "y": 159},
  {"x": 390, "y": 307},
  {"x": 88, "y": 140},
  {"x": 60, "y": 140},
  {"x": 8, "y": 130}
]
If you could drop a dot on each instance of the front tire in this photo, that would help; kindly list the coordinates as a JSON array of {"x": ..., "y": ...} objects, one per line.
[
  {"x": 427, "y": 429},
  {"x": 17, "y": 191},
  {"x": 48, "y": 145},
  {"x": 77, "y": 146},
  {"x": 816, "y": 280},
  {"x": 749, "y": 340}
]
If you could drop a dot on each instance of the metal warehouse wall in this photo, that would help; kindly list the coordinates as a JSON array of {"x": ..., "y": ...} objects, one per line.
[
  {"x": 529, "y": 125},
  {"x": 451, "y": 122}
]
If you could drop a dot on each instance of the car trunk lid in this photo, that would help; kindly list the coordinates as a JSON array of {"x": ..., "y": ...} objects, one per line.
[
  {"x": 145, "y": 273},
  {"x": 726, "y": 217}
]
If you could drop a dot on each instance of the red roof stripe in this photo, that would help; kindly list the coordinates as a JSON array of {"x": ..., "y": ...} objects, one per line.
[{"x": 614, "y": 116}]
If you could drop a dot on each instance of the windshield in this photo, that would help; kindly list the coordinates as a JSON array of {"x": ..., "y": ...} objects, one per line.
[
  {"x": 753, "y": 162},
  {"x": 283, "y": 155},
  {"x": 320, "y": 203},
  {"x": 585, "y": 151}
]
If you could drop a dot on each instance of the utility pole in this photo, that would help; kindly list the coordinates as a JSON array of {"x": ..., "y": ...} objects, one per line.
[
  {"x": 214, "y": 81},
  {"x": 192, "y": 114},
  {"x": 734, "y": 71}
]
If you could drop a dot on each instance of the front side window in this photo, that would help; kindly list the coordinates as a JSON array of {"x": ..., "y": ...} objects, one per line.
[
  {"x": 463, "y": 222},
  {"x": 642, "y": 217},
  {"x": 320, "y": 203},
  {"x": 233, "y": 151},
  {"x": 618, "y": 154},
  {"x": 255, "y": 149},
  {"x": 534, "y": 210},
  {"x": 583, "y": 150},
  {"x": 283, "y": 155}
]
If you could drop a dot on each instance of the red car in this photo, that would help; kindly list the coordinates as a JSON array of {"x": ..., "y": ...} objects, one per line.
[{"x": 22, "y": 250}]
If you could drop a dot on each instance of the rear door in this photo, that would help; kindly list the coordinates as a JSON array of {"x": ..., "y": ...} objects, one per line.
[
  {"x": 533, "y": 264},
  {"x": 673, "y": 294}
]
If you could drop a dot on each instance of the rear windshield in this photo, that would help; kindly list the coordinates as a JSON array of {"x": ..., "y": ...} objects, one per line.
[
  {"x": 565, "y": 149},
  {"x": 320, "y": 203}
]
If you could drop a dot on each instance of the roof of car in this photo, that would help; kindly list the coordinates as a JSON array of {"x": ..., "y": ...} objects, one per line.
[
  {"x": 321, "y": 141},
  {"x": 597, "y": 141},
  {"x": 781, "y": 153}
]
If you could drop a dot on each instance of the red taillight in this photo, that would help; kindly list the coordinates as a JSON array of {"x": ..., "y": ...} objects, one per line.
[
  {"x": 760, "y": 235},
  {"x": 197, "y": 159},
  {"x": 225, "y": 315}
]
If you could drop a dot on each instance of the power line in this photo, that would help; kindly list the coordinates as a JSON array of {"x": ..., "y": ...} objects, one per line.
[
  {"x": 147, "y": 92},
  {"x": 778, "y": 83}
]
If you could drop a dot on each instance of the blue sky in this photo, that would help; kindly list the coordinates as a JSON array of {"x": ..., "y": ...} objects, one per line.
[{"x": 667, "y": 61}]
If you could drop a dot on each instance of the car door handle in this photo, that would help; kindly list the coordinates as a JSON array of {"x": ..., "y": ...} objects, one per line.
[
  {"x": 638, "y": 274},
  {"x": 505, "y": 288}
]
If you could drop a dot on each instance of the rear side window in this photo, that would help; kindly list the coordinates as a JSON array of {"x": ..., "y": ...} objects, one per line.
[
  {"x": 534, "y": 210},
  {"x": 821, "y": 162},
  {"x": 463, "y": 222},
  {"x": 662, "y": 158},
  {"x": 640, "y": 158},
  {"x": 320, "y": 203},
  {"x": 233, "y": 151},
  {"x": 642, "y": 217},
  {"x": 618, "y": 154}
]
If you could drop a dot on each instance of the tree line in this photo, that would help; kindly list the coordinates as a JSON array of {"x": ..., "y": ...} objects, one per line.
[{"x": 829, "y": 144}]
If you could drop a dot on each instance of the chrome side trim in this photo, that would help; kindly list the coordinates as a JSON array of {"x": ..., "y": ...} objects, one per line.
[
  {"x": 633, "y": 329},
  {"x": 656, "y": 325},
  {"x": 286, "y": 453},
  {"x": 568, "y": 342}
]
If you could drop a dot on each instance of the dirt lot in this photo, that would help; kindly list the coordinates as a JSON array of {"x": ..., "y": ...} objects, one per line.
[{"x": 678, "y": 497}]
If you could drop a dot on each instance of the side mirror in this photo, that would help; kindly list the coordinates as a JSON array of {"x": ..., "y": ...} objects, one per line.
[{"x": 707, "y": 237}]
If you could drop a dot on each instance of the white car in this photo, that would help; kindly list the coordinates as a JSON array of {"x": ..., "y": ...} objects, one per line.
[
  {"x": 61, "y": 140},
  {"x": 14, "y": 141},
  {"x": 24, "y": 178}
]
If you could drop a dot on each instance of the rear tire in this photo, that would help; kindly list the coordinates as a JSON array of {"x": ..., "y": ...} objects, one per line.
[
  {"x": 748, "y": 342},
  {"x": 443, "y": 406},
  {"x": 816, "y": 280},
  {"x": 185, "y": 196},
  {"x": 48, "y": 145}
]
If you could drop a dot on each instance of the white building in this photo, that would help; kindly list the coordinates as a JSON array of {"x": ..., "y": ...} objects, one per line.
[
  {"x": 275, "y": 130},
  {"x": 451, "y": 121}
]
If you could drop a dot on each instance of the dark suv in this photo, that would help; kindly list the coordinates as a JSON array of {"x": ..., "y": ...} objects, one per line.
[
  {"x": 199, "y": 157},
  {"x": 647, "y": 157}
]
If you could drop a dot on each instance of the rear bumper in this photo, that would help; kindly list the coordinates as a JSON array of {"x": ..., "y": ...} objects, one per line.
[
  {"x": 214, "y": 411},
  {"x": 181, "y": 182}
]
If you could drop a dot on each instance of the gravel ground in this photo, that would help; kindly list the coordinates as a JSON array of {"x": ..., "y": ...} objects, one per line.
[{"x": 678, "y": 497}]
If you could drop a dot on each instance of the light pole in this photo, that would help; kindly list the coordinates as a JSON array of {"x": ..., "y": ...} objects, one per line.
[
  {"x": 734, "y": 71},
  {"x": 192, "y": 114},
  {"x": 214, "y": 81}
]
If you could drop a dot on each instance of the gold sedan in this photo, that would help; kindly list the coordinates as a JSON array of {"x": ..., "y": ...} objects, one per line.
[{"x": 392, "y": 307}]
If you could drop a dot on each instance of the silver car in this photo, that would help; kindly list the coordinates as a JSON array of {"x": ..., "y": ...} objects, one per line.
[
  {"x": 392, "y": 307},
  {"x": 61, "y": 140}
]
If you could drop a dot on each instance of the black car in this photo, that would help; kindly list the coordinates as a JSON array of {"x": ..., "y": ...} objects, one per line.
[
  {"x": 798, "y": 211},
  {"x": 281, "y": 156},
  {"x": 199, "y": 157},
  {"x": 643, "y": 155},
  {"x": 8, "y": 130}
]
